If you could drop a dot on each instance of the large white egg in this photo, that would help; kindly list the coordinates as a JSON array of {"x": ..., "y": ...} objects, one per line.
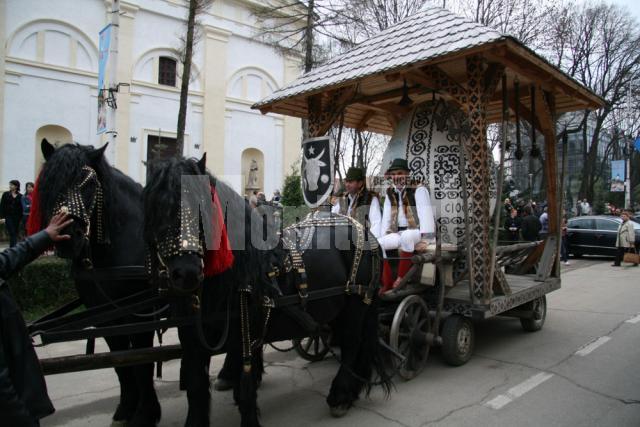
[{"x": 429, "y": 138}]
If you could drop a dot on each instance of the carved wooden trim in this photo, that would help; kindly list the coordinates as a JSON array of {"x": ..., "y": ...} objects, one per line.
[
  {"x": 446, "y": 83},
  {"x": 325, "y": 109},
  {"x": 479, "y": 179}
]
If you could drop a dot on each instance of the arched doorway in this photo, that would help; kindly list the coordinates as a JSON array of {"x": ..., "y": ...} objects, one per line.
[
  {"x": 252, "y": 171},
  {"x": 56, "y": 135}
]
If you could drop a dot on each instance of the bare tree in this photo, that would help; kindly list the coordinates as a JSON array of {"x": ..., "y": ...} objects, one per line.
[
  {"x": 196, "y": 7},
  {"x": 599, "y": 45}
]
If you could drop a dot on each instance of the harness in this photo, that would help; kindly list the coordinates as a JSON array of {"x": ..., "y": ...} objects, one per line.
[
  {"x": 72, "y": 203},
  {"x": 297, "y": 239}
]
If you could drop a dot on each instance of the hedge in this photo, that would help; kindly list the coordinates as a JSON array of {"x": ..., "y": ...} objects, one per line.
[{"x": 42, "y": 286}]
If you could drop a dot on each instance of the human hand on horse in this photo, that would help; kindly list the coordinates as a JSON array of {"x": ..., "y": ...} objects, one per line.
[{"x": 58, "y": 223}]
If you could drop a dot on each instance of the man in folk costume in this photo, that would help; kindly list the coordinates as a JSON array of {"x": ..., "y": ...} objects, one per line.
[
  {"x": 359, "y": 202},
  {"x": 407, "y": 222}
]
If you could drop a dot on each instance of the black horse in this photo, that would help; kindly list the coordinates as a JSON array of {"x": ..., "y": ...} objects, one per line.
[
  {"x": 106, "y": 206},
  {"x": 259, "y": 255}
]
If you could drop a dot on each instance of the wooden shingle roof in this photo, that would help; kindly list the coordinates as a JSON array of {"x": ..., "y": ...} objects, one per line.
[{"x": 434, "y": 36}]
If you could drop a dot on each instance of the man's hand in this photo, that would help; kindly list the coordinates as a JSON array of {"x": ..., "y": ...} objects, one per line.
[
  {"x": 58, "y": 223},
  {"x": 421, "y": 246}
]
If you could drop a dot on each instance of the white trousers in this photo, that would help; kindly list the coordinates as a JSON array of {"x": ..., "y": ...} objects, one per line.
[{"x": 405, "y": 240}]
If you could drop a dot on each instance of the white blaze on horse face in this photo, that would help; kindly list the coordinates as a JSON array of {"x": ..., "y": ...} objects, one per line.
[{"x": 312, "y": 170}]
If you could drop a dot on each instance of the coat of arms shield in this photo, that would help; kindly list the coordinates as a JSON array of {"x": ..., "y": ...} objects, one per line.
[{"x": 317, "y": 170}]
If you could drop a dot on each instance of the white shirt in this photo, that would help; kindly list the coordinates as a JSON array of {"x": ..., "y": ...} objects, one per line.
[
  {"x": 423, "y": 208},
  {"x": 374, "y": 213}
]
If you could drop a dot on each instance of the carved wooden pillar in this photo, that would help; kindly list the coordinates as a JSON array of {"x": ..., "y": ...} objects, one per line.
[{"x": 480, "y": 180}]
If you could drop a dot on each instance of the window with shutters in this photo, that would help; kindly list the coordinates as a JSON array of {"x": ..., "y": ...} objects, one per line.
[{"x": 167, "y": 71}]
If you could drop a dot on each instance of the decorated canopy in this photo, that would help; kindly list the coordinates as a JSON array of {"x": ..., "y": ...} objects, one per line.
[
  {"x": 487, "y": 76},
  {"x": 421, "y": 49}
]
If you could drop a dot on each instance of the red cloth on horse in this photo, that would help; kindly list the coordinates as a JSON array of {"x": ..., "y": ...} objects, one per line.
[
  {"x": 221, "y": 257},
  {"x": 34, "y": 222}
]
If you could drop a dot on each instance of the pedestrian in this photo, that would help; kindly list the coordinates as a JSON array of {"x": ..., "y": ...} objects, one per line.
[
  {"x": 586, "y": 207},
  {"x": 26, "y": 206},
  {"x": 23, "y": 391},
  {"x": 564, "y": 242},
  {"x": 626, "y": 240},
  {"x": 277, "y": 198},
  {"x": 512, "y": 225},
  {"x": 544, "y": 224},
  {"x": 11, "y": 210},
  {"x": 508, "y": 206},
  {"x": 530, "y": 227}
]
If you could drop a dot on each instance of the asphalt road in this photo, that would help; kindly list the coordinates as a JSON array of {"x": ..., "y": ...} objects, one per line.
[{"x": 581, "y": 369}]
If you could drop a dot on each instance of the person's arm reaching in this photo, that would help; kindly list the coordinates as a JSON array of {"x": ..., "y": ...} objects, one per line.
[{"x": 13, "y": 259}]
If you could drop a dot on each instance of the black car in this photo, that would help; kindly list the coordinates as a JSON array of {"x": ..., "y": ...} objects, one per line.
[{"x": 595, "y": 235}]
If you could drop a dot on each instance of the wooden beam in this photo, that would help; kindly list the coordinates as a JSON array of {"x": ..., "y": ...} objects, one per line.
[
  {"x": 363, "y": 122},
  {"x": 324, "y": 109},
  {"x": 492, "y": 77},
  {"x": 545, "y": 107},
  {"x": 444, "y": 82},
  {"x": 525, "y": 112},
  {"x": 386, "y": 96},
  {"x": 564, "y": 83}
]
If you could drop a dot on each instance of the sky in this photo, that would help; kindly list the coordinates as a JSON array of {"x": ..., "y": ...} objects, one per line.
[{"x": 632, "y": 5}]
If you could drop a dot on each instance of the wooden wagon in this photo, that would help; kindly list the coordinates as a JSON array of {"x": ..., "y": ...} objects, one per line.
[{"x": 492, "y": 78}]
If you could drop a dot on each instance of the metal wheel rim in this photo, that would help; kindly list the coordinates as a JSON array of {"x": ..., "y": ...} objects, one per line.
[
  {"x": 411, "y": 316},
  {"x": 539, "y": 312},
  {"x": 464, "y": 339},
  {"x": 311, "y": 348}
]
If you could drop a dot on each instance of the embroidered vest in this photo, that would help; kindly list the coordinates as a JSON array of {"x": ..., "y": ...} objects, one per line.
[
  {"x": 360, "y": 208},
  {"x": 408, "y": 206}
]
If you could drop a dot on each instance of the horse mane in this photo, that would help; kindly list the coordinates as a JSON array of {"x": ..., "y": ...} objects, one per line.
[
  {"x": 64, "y": 168},
  {"x": 162, "y": 198}
]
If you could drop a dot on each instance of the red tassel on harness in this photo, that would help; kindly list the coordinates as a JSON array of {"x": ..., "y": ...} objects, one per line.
[
  {"x": 221, "y": 257},
  {"x": 34, "y": 222}
]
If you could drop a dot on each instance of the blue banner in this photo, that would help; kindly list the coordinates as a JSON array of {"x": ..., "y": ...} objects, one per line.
[
  {"x": 105, "y": 42},
  {"x": 636, "y": 144},
  {"x": 617, "y": 175}
]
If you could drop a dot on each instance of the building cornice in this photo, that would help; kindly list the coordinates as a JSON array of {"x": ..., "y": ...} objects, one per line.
[
  {"x": 162, "y": 88},
  {"x": 216, "y": 33},
  {"x": 35, "y": 64}
]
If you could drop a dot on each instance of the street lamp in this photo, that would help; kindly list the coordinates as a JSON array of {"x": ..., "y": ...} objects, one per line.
[{"x": 530, "y": 185}]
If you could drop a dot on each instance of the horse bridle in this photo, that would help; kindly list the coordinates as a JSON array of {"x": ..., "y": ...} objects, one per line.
[
  {"x": 183, "y": 239},
  {"x": 72, "y": 203}
]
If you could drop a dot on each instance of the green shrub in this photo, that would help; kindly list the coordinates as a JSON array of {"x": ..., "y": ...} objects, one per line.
[
  {"x": 43, "y": 285},
  {"x": 292, "y": 192}
]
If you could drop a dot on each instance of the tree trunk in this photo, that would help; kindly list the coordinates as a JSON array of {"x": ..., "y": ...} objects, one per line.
[
  {"x": 186, "y": 76},
  {"x": 589, "y": 167}
]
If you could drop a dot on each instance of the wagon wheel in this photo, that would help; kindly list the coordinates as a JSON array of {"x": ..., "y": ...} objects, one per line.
[
  {"x": 408, "y": 335},
  {"x": 539, "y": 308},
  {"x": 458, "y": 339},
  {"x": 312, "y": 348}
]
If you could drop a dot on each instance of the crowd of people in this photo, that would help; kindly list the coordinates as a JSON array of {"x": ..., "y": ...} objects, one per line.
[
  {"x": 530, "y": 222},
  {"x": 14, "y": 210}
]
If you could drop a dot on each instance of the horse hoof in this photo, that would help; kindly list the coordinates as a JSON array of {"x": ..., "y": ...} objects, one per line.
[
  {"x": 222, "y": 385},
  {"x": 339, "y": 411}
]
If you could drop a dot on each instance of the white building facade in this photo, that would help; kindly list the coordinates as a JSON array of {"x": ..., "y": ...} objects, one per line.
[{"x": 50, "y": 87}]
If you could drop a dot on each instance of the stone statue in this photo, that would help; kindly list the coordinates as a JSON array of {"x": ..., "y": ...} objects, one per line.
[{"x": 252, "y": 181}]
